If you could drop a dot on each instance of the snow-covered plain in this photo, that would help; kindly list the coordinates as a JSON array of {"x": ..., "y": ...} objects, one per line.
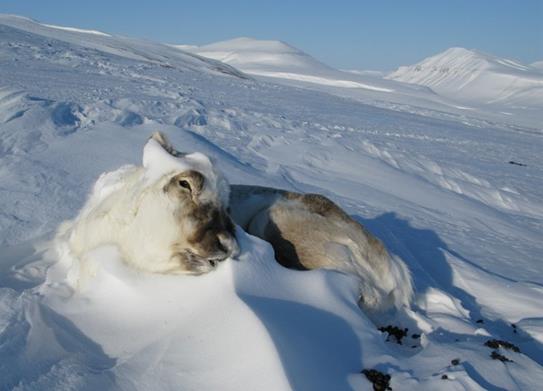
[{"x": 435, "y": 185}]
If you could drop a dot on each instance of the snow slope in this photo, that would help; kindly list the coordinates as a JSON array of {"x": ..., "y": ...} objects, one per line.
[{"x": 437, "y": 189}]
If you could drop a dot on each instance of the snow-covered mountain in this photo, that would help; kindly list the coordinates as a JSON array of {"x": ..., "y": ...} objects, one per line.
[
  {"x": 537, "y": 65},
  {"x": 132, "y": 49},
  {"x": 260, "y": 55},
  {"x": 467, "y": 83},
  {"x": 456, "y": 196},
  {"x": 276, "y": 59},
  {"x": 472, "y": 76}
]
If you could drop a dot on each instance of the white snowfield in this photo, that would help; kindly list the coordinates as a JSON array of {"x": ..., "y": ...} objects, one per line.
[{"x": 456, "y": 193}]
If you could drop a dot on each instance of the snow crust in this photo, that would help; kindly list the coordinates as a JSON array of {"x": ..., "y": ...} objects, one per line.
[{"x": 429, "y": 176}]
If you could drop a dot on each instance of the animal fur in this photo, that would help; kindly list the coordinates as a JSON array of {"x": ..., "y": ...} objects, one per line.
[
  {"x": 167, "y": 216},
  {"x": 308, "y": 231}
]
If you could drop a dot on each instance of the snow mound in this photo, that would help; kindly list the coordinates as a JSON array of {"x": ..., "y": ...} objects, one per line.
[{"x": 100, "y": 322}]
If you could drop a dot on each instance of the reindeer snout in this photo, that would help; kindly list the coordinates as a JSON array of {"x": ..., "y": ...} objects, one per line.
[{"x": 228, "y": 244}]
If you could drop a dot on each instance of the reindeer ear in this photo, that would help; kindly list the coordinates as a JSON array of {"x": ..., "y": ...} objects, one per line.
[{"x": 165, "y": 143}]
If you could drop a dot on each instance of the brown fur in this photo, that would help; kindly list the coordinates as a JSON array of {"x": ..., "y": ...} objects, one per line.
[{"x": 309, "y": 231}]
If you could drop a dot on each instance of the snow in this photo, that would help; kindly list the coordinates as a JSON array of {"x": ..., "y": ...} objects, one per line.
[
  {"x": 537, "y": 65},
  {"x": 248, "y": 53},
  {"x": 432, "y": 180},
  {"x": 158, "y": 163},
  {"x": 471, "y": 75},
  {"x": 221, "y": 330},
  {"x": 77, "y": 30},
  {"x": 321, "y": 80},
  {"x": 492, "y": 85}
]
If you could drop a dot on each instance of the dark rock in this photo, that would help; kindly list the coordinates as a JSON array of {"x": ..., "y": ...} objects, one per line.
[
  {"x": 496, "y": 344},
  {"x": 497, "y": 356},
  {"x": 380, "y": 380},
  {"x": 395, "y": 331},
  {"x": 517, "y": 163}
]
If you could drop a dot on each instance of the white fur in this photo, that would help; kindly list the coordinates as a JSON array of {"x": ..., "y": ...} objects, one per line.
[
  {"x": 158, "y": 163},
  {"x": 129, "y": 208}
]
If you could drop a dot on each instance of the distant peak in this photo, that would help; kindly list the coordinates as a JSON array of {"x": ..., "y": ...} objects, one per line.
[
  {"x": 252, "y": 44},
  {"x": 459, "y": 50},
  {"x": 456, "y": 52},
  {"x": 456, "y": 57},
  {"x": 258, "y": 55}
]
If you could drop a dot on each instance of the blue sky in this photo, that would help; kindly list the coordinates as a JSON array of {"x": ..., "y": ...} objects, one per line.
[{"x": 346, "y": 34}]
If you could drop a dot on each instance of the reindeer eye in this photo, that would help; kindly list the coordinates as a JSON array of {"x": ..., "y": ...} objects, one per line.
[{"x": 184, "y": 184}]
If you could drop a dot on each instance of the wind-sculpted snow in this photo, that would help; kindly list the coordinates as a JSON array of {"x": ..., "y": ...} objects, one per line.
[
  {"x": 221, "y": 330},
  {"x": 456, "y": 193}
]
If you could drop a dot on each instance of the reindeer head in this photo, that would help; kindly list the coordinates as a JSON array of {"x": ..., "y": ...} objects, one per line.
[{"x": 198, "y": 194}]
